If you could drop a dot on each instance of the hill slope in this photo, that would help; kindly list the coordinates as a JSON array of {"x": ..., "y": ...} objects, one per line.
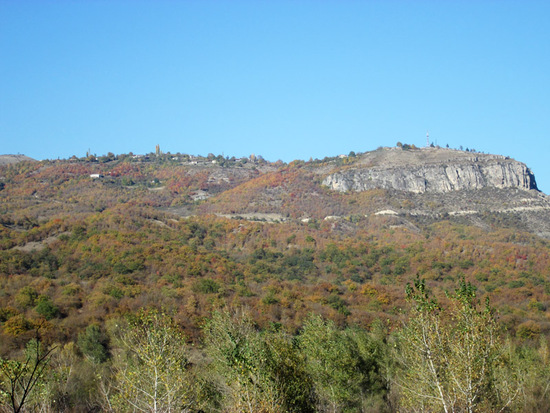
[
  {"x": 420, "y": 186},
  {"x": 98, "y": 237},
  {"x": 12, "y": 159}
]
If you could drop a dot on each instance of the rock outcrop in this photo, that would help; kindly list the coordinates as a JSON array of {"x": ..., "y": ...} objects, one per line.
[{"x": 431, "y": 170}]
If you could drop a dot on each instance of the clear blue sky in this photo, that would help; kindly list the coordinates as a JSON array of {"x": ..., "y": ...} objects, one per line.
[{"x": 283, "y": 79}]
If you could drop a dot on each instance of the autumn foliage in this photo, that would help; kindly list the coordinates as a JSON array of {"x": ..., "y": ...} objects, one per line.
[{"x": 77, "y": 254}]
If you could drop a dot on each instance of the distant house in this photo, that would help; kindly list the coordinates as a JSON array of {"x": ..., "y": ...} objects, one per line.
[{"x": 96, "y": 176}]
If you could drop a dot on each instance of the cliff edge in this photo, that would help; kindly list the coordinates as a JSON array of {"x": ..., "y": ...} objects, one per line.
[{"x": 431, "y": 170}]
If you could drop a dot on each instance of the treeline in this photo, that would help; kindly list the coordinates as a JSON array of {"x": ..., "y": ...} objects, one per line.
[{"x": 447, "y": 357}]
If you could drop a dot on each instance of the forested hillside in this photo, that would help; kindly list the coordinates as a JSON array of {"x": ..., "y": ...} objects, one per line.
[{"x": 263, "y": 290}]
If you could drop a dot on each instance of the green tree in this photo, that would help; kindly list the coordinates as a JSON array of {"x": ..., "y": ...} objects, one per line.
[
  {"x": 46, "y": 308},
  {"x": 93, "y": 344},
  {"x": 151, "y": 365},
  {"x": 20, "y": 378},
  {"x": 449, "y": 355},
  {"x": 259, "y": 371},
  {"x": 342, "y": 364},
  {"x": 522, "y": 376},
  {"x": 26, "y": 297}
]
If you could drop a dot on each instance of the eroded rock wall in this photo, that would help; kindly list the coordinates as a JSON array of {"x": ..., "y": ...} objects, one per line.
[{"x": 435, "y": 177}]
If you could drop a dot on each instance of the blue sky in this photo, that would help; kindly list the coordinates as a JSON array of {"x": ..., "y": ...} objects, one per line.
[{"x": 282, "y": 79}]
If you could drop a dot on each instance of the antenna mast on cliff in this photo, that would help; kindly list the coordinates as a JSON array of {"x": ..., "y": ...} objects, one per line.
[{"x": 427, "y": 139}]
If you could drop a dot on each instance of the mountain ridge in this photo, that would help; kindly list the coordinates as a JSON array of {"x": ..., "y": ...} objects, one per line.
[{"x": 418, "y": 185}]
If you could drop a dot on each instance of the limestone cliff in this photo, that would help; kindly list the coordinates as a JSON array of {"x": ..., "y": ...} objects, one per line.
[{"x": 431, "y": 170}]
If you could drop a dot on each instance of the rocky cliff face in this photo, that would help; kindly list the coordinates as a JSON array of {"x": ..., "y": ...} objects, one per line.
[{"x": 431, "y": 170}]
